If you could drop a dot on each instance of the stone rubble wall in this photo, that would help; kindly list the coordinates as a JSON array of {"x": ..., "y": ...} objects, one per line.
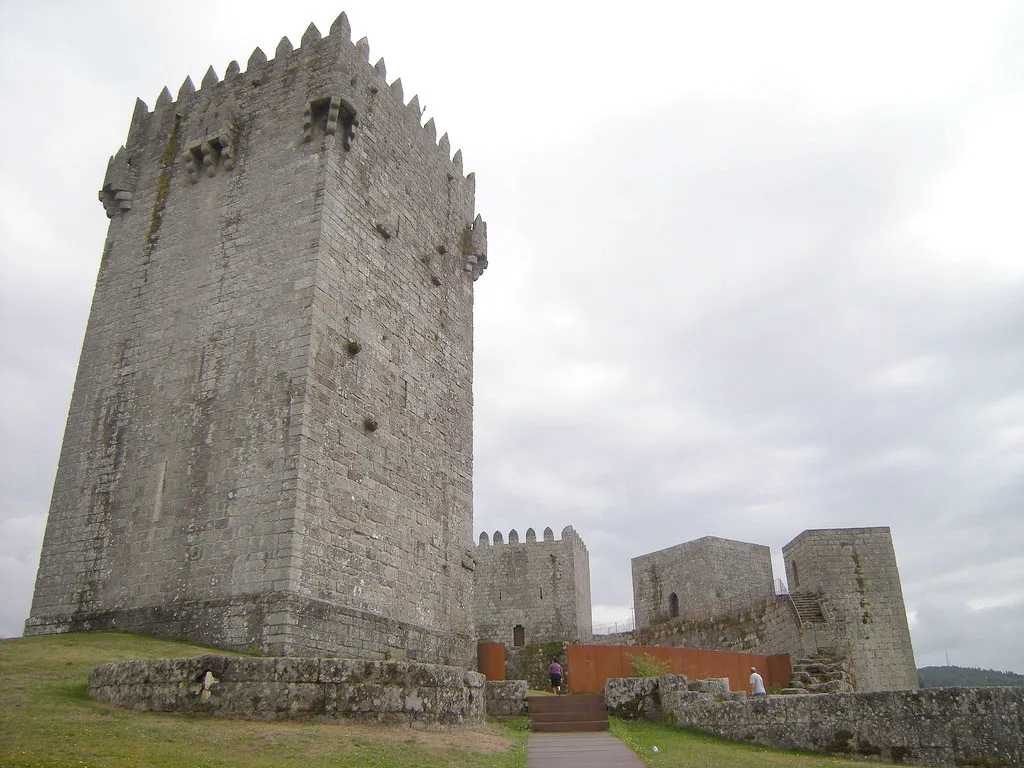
[
  {"x": 505, "y": 698},
  {"x": 647, "y": 698},
  {"x": 936, "y": 726},
  {"x": 769, "y": 628},
  {"x": 295, "y": 688}
]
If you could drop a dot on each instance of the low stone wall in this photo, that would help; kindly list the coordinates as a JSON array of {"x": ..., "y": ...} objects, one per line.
[
  {"x": 295, "y": 688},
  {"x": 505, "y": 698},
  {"x": 647, "y": 698},
  {"x": 935, "y": 726}
]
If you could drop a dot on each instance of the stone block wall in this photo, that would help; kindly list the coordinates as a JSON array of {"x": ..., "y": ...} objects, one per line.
[
  {"x": 938, "y": 726},
  {"x": 853, "y": 572},
  {"x": 702, "y": 579},
  {"x": 269, "y": 444},
  {"x": 302, "y": 688},
  {"x": 769, "y": 628},
  {"x": 541, "y": 586},
  {"x": 530, "y": 663},
  {"x": 506, "y": 698}
]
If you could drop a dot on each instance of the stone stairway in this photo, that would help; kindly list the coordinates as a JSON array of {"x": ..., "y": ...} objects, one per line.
[
  {"x": 562, "y": 714},
  {"x": 808, "y": 607},
  {"x": 822, "y": 673}
]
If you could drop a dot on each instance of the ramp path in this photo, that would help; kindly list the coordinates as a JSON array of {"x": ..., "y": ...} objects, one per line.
[{"x": 579, "y": 750}]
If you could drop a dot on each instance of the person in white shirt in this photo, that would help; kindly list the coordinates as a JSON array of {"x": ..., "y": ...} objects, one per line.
[{"x": 756, "y": 683}]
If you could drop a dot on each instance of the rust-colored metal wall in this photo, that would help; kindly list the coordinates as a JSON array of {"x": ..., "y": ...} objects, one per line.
[
  {"x": 590, "y": 666},
  {"x": 490, "y": 660}
]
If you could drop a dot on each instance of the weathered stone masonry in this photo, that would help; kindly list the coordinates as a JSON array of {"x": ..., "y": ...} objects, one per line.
[
  {"x": 308, "y": 689},
  {"x": 854, "y": 575},
  {"x": 938, "y": 726},
  {"x": 269, "y": 444},
  {"x": 702, "y": 579},
  {"x": 845, "y": 602},
  {"x": 540, "y": 587}
]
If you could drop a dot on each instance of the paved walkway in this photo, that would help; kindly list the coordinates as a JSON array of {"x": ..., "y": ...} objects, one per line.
[{"x": 579, "y": 750}]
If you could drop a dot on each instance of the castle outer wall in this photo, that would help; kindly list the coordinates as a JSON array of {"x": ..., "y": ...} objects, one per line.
[
  {"x": 700, "y": 580},
  {"x": 541, "y": 586},
  {"x": 269, "y": 444}
]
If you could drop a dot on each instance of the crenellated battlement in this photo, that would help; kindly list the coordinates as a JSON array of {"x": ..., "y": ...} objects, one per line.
[
  {"x": 532, "y": 591},
  {"x": 315, "y": 58},
  {"x": 568, "y": 535},
  {"x": 338, "y": 88}
]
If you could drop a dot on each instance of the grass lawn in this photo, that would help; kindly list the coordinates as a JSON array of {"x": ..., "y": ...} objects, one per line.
[
  {"x": 679, "y": 748},
  {"x": 46, "y": 719}
]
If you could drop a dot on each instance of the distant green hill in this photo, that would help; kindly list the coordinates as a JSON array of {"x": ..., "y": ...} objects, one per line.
[{"x": 965, "y": 677}]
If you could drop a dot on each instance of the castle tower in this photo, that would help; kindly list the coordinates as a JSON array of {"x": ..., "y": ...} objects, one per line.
[
  {"x": 533, "y": 591},
  {"x": 700, "y": 580},
  {"x": 269, "y": 444},
  {"x": 853, "y": 572}
]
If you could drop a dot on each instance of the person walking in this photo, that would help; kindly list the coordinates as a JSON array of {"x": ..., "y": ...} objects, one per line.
[
  {"x": 756, "y": 683},
  {"x": 555, "y": 675}
]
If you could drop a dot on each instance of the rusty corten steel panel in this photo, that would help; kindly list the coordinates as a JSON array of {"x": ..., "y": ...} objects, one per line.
[
  {"x": 590, "y": 666},
  {"x": 490, "y": 660}
]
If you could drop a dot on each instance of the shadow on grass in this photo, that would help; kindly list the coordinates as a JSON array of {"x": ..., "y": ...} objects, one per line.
[{"x": 74, "y": 692}]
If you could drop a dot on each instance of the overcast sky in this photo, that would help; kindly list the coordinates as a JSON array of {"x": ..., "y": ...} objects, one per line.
[{"x": 754, "y": 267}]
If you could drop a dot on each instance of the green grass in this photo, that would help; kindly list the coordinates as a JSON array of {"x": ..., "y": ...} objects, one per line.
[
  {"x": 681, "y": 748},
  {"x": 47, "y": 719}
]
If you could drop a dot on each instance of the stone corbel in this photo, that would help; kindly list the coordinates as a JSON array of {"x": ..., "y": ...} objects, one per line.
[
  {"x": 474, "y": 248},
  {"x": 118, "y": 187}
]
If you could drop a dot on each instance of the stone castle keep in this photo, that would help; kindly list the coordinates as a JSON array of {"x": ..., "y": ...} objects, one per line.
[{"x": 269, "y": 444}]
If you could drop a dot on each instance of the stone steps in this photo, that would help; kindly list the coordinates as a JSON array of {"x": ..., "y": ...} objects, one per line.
[
  {"x": 820, "y": 674},
  {"x": 808, "y": 608},
  {"x": 563, "y": 714}
]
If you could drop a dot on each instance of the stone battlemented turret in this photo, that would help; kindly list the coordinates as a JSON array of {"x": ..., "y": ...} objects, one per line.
[
  {"x": 269, "y": 443},
  {"x": 533, "y": 591}
]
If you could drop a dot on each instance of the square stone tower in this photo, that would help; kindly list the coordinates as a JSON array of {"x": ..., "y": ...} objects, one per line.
[
  {"x": 533, "y": 591},
  {"x": 854, "y": 574},
  {"x": 700, "y": 580},
  {"x": 269, "y": 444}
]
